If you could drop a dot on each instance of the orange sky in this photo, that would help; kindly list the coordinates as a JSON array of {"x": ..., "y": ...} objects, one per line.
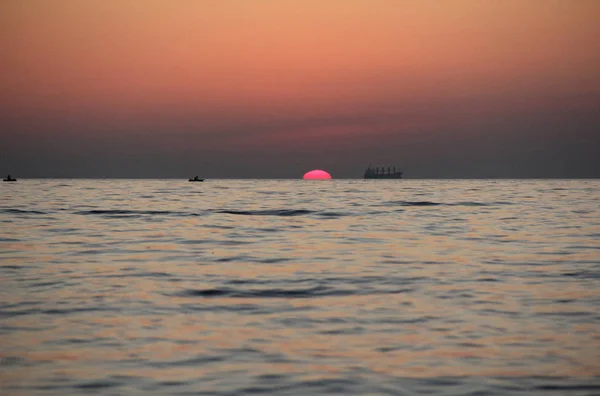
[{"x": 224, "y": 62}]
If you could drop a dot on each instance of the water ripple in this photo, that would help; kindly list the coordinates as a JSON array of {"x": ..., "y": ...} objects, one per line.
[
  {"x": 460, "y": 287},
  {"x": 274, "y": 212}
]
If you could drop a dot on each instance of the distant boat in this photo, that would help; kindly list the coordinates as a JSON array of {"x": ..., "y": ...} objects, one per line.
[
  {"x": 382, "y": 173},
  {"x": 9, "y": 179},
  {"x": 196, "y": 179}
]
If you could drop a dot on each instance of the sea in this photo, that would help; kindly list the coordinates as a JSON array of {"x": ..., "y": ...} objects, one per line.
[{"x": 294, "y": 287}]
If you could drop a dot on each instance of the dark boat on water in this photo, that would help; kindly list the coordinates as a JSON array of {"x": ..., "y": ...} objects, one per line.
[
  {"x": 196, "y": 179},
  {"x": 382, "y": 173},
  {"x": 9, "y": 179}
]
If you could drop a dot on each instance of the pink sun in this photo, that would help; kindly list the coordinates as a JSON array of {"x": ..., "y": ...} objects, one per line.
[{"x": 317, "y": 174}]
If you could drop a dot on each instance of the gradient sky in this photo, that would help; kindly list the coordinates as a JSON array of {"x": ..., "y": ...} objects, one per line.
[{"x": 270, "y": 88}]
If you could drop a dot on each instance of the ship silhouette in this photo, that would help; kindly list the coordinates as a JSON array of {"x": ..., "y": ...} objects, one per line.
[{"x": 382, "y": 173}]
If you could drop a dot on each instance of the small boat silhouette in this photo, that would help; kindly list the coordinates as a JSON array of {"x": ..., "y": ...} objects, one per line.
[
  {"x": 196, "y": 179},
  {"x": 9, "y": 179}
]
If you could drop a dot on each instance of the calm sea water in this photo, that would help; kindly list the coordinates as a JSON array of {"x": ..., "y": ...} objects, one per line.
[{"x": 300, "y": 287}]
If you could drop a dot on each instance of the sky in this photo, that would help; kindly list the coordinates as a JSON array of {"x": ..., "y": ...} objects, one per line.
[{"x": 273, "y": 89}]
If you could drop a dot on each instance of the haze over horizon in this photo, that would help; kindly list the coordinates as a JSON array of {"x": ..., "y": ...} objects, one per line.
[{"x": 270, "y": 89}]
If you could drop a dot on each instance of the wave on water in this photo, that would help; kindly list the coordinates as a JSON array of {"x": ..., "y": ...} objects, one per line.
[
  {"x": 430, "y": 203},
  {"x": 126, "y": 212},
  {"x": 318, "y": 291},
  {"x": 312, "y": 292},
  {"x": 415, "y": 203},
  {"x": 123, "y": 213},
  {"x": 20, "y": 211},
  {"x": 275, "y": 212}
]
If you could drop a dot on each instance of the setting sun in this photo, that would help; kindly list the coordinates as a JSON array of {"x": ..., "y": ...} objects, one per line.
[{"x": 317, "y": 174}]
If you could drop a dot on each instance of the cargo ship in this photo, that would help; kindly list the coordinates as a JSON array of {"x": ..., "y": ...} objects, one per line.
[{"x": 382, "y": 173}]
